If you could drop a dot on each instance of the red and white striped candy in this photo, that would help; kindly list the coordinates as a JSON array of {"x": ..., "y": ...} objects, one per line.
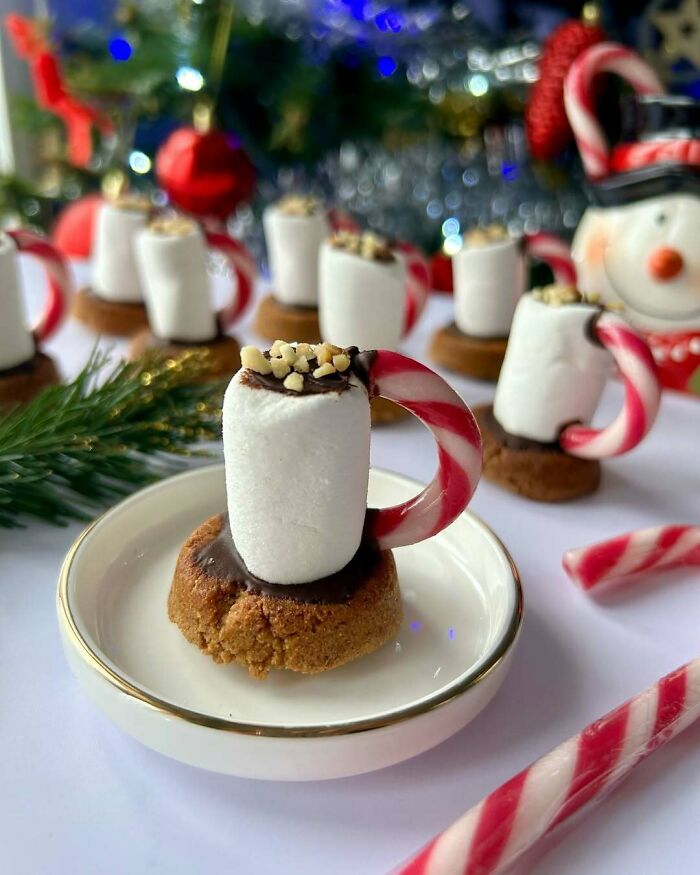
[
  {"x": 633, "y": 553},
  {"x": 555, "y": 252},
  {"x": 242, "y": 265},
  {"x": 580, "y": 105},
  {"x": 496, "y": 832},
  {"x": 417, "y": 282},
  {"x": 59, "y": 290},
  {"x": 642, "y": 395},
  {"x": 439, "y": 407}
]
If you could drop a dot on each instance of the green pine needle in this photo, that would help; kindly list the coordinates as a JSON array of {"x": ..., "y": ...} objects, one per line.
[{"x": 81, "y": 446}]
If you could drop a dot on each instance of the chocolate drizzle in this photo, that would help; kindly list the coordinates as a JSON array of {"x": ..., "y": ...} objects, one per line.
[
  {"x": 360, "y": 366},
  {"x": 220, "y": 559}
]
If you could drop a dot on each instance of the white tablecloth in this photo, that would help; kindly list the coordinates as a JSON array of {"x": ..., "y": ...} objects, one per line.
[{"x": 79, "y": 796}]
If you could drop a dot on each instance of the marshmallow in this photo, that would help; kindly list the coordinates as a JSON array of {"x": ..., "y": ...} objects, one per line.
[
  {"x": 293, "y": 242},
  {"x": 553, "y": 373},
  {"x": 175, "y": 282},
  {"x": 488, "y": 281},
  {"x": 16, "y": 341},
  {"x": 297, "y": 469},
  {"x": 114, "y": 272},
  {"x": 362, "y": 301}
]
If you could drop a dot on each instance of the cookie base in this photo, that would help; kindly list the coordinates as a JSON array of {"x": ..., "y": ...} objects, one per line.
[
  {"x": 276, "y": 321},
  {"x": 384, "y": 411},
  {"x": 263, "y": 632},
  {"x": 109, "y": 317},
  {"x": 224, "y": 353},
  {"x": 20, "y": 384},
  {"x": 478, "y": 357},
  {"x": 545, "y": 474}
]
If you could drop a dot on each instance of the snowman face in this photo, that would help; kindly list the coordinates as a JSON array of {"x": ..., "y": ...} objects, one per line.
[{"x": 651, "y": 259}]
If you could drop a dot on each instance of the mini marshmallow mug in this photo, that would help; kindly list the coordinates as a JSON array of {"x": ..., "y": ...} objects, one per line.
[
  {"x": 115, "y": 274},
  {"x": 18, "y": 340},
  {"x": 297, "y": 467},
  {"x": 171, "y": 255},
  {"x": 556, "y": 366},
  {"x": 367, "y": 301}
]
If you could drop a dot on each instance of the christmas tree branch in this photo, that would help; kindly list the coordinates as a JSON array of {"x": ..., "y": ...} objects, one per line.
[{"x": 80, "y": 446}]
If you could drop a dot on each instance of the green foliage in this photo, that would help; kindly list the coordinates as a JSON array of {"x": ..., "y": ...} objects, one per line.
[{"x": 83, "y": 445}]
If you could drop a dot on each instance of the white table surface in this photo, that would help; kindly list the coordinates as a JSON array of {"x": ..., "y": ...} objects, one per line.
[{"x": 77, "y": 795}]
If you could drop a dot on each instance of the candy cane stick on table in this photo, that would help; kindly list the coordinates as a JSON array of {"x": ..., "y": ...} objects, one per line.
[
  {"x": 496, "y": 832},
  {"x": 579, "y": 99},
  {"x": 642, "y": 395},
  {"x": 633, "y": 553}
]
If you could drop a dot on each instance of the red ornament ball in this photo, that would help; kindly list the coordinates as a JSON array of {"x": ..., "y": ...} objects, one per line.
[
  {"x": 73, "y": 232},
  {"x": 441, "y": 272},
  {"x": 205, "y": 173}
]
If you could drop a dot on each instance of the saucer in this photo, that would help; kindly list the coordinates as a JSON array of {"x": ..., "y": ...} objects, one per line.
[{"x": 462, "y": 614}]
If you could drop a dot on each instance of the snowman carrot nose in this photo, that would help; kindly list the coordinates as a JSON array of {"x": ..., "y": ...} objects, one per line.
[{"x": 665, "y": 263}]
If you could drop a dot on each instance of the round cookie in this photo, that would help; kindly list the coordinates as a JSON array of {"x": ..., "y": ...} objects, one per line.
[
  {"x": 232, "y": 623},
  {"x": 109, "y": 317},
  {"x": 384, "y": 411},
  {"x": 224, "y": 352},
  {"x": 541, "y": 472},
  {"x": 20, "y": 384},
  {"x": 274, "y": 320},
  {"x": 478, "y": 357}
]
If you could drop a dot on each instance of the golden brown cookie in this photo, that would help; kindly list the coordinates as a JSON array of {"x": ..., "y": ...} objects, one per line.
[
  {"x": 263, "y": 632},
  {"x": 224, "y": 352},
  {"x": 538, "y": 471},
  {"x": 384, "y": 411},
  {"x": 22, "y": 383},
  {"x": 274, "y": 320},
  {"x": 109, "y": 317},
  {"x": 478, "y": 357}
]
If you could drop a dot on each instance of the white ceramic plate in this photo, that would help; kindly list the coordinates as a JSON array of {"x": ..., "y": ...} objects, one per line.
[{"x": 462, "y": 607}]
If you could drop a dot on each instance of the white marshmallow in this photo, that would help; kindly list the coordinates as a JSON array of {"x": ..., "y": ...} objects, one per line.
[
  {"x": 553, "y": 373},
  {"x": 16, "y": 341},
  {"x": 114, "y": 272},
  {"x": 297, "y": 469},
  {"x": 488, "y": 282},
  {"x": 292, "y": 247},
  {"x": 175, "y": 282},
  {"x": 362, "y": 302}
]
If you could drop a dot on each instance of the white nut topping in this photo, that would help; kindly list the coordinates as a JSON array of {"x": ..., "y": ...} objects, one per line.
[
  {"x": 280, "y": 368},
  {"x": 341, "y": 362},
  {"x": 324, "y": 370},
  {"x": 294, "y": 382},
  {"x": 288, "y": 353},
  {"x": 252, "y": 358},
  {"x": 301, "y": 365}
]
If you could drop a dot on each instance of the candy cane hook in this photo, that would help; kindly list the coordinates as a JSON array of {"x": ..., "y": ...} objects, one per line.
[{"x": 242, "y": 265}]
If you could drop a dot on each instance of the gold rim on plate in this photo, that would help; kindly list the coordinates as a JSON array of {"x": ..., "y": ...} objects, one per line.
[{"x": 437, "y": 700}]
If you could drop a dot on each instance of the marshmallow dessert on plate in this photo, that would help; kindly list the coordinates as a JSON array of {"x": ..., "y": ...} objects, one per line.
[
  {"x": 298, "y": 574},
  {"x": 561, "y": 352},
  {"x": 294, "y": 229},
  {"x": 171, "y": 255},
  {"x": 113, "y": 303}
]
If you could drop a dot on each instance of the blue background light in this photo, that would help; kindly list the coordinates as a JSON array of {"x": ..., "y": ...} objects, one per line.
[
  {"x": 387, "y": 66},
  {"x": 120, "y": 49}
]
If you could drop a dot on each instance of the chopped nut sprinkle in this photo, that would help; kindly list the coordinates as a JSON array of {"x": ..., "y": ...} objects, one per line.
[
  {"x": 294, "y": 382},
  {"x": 280, "y": 368},
  {"x": 367, "y": 245},
  {"x": 298, "y": 205},
  {"x": 133, "y": 201},
  {"x": 252, "y": 358},
  {"x": 324, "y": 370},
  {"x": 485, "y": 236},
  {"x": 341, "y": 362},
  {"x": 173, "y": 225},
  {"x": 559, "y": 294},
  {"x": 289, "y": 361}
]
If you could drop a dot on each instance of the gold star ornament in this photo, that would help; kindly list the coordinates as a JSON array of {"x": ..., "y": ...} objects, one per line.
[{"x": 680, "y": 31}]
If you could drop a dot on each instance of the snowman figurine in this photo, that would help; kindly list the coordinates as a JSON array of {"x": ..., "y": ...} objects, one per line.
[{"x": 636, "y": 245}]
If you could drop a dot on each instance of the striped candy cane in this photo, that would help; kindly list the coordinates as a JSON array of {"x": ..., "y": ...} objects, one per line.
[
  {"x": 439, "y": 407},
  {"x": 579, "y": 103},
  {"x": 555, "y": 252},
  {"x": 60, "y": 283},
  {"x": 633, "y": 553},
  {"x": 496, "y": 832},
  {"x": 242, "y": 265},
  {"x": 642, "y": 395},
  {"x": 417, "y": 282}
]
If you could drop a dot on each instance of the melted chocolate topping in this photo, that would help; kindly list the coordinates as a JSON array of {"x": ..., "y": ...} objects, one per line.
[
  {"x": 221, "y": 559},
  {"x": 360, "y": 366},
  {"x": 514, "y": 441}
]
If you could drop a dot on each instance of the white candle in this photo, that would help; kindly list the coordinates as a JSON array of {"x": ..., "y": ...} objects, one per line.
[
  {"x": 362, "y": 301},
  {"x": 297, "y": 469},
  {"x": 553, "y": 373},
  {"x": 172, "y": 261},
  {"x": 16, "y": 341},
  {"x": 114, "y": 271},
  {"x": 293, "y": 242},
  {"x": 488, "y": 281}
]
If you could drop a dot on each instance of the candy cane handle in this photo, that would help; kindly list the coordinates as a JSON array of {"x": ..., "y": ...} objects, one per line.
[
  {"x": 59, "y": 287},
  {"x": 642, "y": 395},
  {"x": 417, "y": 283},
  {"x": 243, "y": 267},
  {"x": 439, "y": 407},
  {"x": 554, "y": 252},
  {"x": 341, "y": 220},
  {"x": 579, "y": 101}
]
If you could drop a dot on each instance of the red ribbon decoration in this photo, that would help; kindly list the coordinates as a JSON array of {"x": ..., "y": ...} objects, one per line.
[{"x": 49, "y": 88}]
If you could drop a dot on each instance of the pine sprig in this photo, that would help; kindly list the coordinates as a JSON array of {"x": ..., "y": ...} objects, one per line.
[{"x": 78, "y": 447}]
